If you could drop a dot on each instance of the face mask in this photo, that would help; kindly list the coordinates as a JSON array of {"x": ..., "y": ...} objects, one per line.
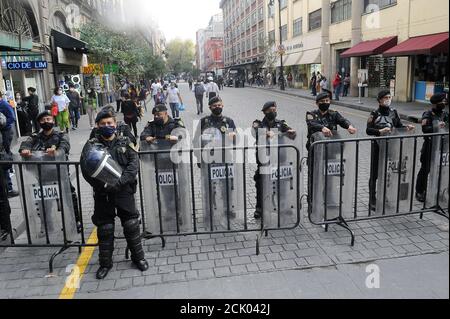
[
  {"x": 387, "y": 103},
  {"x": 60, "y": 92},
  {"x": 47, "y": 126},
  {"x": 217, "y": 111},
  {"x": 107, "y": 131},
  {"x": 159, "y": 121},
  {"x": 324, "y": 107},
  {"x": 271, "y": 116}
]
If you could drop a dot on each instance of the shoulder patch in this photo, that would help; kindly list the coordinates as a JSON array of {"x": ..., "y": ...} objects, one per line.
[
  {"x": 309, "y": 116},
  {"x": 371, "y": 119}
]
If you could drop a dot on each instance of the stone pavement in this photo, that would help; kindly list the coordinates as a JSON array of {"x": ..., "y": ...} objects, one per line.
[
  {"x": 411, "y": 111},
  {"x": 211, "y": 260}
]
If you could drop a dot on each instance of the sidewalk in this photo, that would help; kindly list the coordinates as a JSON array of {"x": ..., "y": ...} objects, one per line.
[{"x": 411, "y": 111}]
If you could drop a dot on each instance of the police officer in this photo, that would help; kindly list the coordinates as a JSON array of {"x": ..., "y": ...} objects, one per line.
[
  {"x": 216, "y": 120},
  {"x": 437, "y": 113},
  {"x": 161, "y": 127},
  {"x": 122, "y": 128},
  {"x": 50, "y": 140},
  {"x": 271, "y": 124},
  {"x": 116, "y": 199},
  {"x": 380, "y": 123},
  {"x": 325, "y": 120},
  {"x": 5, "y": 209}
]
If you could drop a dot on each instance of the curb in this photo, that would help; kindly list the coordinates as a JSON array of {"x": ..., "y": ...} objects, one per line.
[{"x": 363, "y": 108}]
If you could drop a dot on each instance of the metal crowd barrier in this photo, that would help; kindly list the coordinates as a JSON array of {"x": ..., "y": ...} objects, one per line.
[{"x": 398, "y": 165}]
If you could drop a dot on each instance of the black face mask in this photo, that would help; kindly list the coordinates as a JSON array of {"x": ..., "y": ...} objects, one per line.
[
  {"x": 47, "y": 126},
  {"x": 217, "y": 111},
  {"x": 159, "y": 121},
  {"x": 440, "y": 107},
  {"x": 324, "y": 107},
  {"x": 271, "y": 116}
]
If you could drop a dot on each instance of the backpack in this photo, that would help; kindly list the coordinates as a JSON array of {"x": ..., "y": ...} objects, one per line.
[{"x": 199, "y": 90}]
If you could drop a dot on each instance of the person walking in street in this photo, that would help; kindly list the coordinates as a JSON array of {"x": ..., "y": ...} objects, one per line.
[
  {"x": 439, "y": 115},
  {"x": 324, "y": 87},
  {"x": 290, "y": 80},
  {"x": 7, "y": 133},
  {"x": 346, "y": 85},
  {"x": 32, "y": 101},
  {"x": 74, "y": 106},
  {"x": 130, "y": 113},
  {"x": 199, "y": 92},
  {"x": 118, "y": 97},
  {"x": 269, "y": 80},
  {"x": 143, "y": 94},
  {"x": 318, "y": 81},
  {"x": 92, "y": 106},
  {"x": 313, "y": 84},
  {"x": 61, "y": 101},
  {"x": 174, "y": 99},
  {"x": 191, "y": 82},
  {"x": 337, "y": 85},
  {"x": 220, "y": 83},
  {"x": 212, "y": 90},
  {"x": 117, "y": 199},
  {"x": 381, "y": 123},
  {"x": 156, "y": 89}
]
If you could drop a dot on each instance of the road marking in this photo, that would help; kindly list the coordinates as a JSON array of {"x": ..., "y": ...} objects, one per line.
[
  {"x": 68, "y": 292},
  {"x": 295, "y": 99}
]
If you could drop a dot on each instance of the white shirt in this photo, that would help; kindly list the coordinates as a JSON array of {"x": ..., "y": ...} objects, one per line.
[
  {"x": 212, "y": 87},
  {"x": 172, "y": 95},
  {"x": 156, "y": 87},
  {"x": 62, "y": 101}
]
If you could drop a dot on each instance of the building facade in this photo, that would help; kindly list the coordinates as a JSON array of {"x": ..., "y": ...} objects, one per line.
[
  {"x": 245, "y": 31},
  {"x": 214, "y": 54},
  {"x": 386, "y": 38},
  {"x": 208, "y": 39}
]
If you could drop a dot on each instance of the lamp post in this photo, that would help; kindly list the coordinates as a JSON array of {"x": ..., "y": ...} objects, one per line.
[{"x": 280, "y": 49}]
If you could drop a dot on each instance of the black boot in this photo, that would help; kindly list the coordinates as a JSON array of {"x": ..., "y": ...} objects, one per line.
[
  {"x": 105, "y": 236},
  {"x": 132, "y": 234}
]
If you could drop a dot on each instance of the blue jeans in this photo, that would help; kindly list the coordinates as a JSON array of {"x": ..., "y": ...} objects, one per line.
[
  {"x": 74, "y": 116},
  {"x": 175, "y": 110},
  {"x": 338, "y": 91}
]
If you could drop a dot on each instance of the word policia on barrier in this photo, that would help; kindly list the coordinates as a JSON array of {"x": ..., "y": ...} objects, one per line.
[{"x": 171, "y": 175}]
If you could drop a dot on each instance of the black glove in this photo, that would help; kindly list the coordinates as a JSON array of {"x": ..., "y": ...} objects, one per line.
[{"x": 113, "y": 188}]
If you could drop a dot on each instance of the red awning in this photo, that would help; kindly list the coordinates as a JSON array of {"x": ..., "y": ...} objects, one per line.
[
  {"x": 427, "y": 44},
  {"x": 372, "y": 47}
]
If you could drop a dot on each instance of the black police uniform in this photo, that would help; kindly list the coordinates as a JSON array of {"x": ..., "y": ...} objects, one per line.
[
  {"x": 222, "y": 123},
  {"x": 267, "y": 125},
  {"x": 122, "y": 200},
  {"x": 316, "y": 122},
  {"x": 425, "y": 159},
  {"x": 122, "y": 130},
  {"x": 5, "y": 209},
  {"x": 384, "y": 117},
  {"x": 161, "y": 131}
]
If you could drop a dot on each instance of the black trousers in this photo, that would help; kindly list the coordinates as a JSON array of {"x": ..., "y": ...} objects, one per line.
[
  {"x": 375, "y": 154},
  {"x": 259, "y": 196},
  {"x": 119, "y": 104},
  {"x": 109, "y": 206},
  {"x": 5, "y": 209},
  {"x": 199, "y": 99},
  {"x": 425, "y": 160}
]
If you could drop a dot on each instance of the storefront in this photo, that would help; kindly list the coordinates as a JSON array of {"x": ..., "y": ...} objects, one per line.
[
  {"x": 102, "y": 79},
  {"x": 381, "y": 70},
  {"x": 430, "y": 68}
]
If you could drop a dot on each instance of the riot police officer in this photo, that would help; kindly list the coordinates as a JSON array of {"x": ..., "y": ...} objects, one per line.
[
  {"x": 380, "y": 123},
  {"x": 122, "y": 128},
  {"x": 437, "y": 113},
  {"x": 325, "y": 120},
  {"x": 50, "y": 140},
  {"x": 271, "y": 124},
  {"x": 161, "y": 127},
  {"x": 5, "y": 209},
  {"x": 118, "y": 198}
]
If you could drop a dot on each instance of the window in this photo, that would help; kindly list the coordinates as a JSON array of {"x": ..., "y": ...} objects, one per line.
[
  {"x": 261, "y": 39},
  {"x": 380, "y": 3},
  {"x": 261, "y": 14},
  {"x": 272, "y": 37},
  {"x": 315, "y": 20},
  {"x": 284, "y": 32},
  {"x": 248, "y": 23},
  {"x": 254, "y": 16},
  {"x": 254, "y": 41},
  {"x": 248, "y": 44},
  {"x": 283, "y": 4},
  {"x": 341, "y": 10},
  {"x": 271, "y": 11},
  {"x": 297, "y": 27}
]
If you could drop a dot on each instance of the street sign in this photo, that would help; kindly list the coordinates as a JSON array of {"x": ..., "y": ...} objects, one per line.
[{"x": 31, "y": 65}]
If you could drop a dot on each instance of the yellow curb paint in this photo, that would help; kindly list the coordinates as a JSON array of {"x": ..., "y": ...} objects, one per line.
[{"x": 69, "y": 291}]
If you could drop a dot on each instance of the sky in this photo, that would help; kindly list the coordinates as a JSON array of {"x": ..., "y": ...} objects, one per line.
[{"x": 179, "y": 18}]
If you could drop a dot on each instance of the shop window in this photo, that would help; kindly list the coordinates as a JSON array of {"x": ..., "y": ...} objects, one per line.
[
  {"x": 315, "y": 20},
  {"x": 431, "y": 68},
  {"x": 381, "y": 71},
  {"x": 341, "y": 10}
]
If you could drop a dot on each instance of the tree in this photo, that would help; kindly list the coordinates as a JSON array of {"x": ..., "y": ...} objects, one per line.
[
  {"x": 180, "y": 56},
  {"x": 270, "y": 55}
]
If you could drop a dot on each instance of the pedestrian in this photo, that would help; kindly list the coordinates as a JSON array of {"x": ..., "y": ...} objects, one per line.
[
  {"x": 130, "y": 113},
  {"x": 117, "y": 199},
  {"x": 313, "y": 84},
  {"x": 143, "y": 98},
  {"x": 173, "y": 96},
  {"x": 190, "y": 81},
  {"x": 7, "y": 133},
  {"x": 118, "y": 96},
  {"x": 337, "y": 85},
  {"x": 290, "y": 80},
  {"x": 212, "y": 90},
  {"x": 437, "y": 115},
  {"x": 156, "y": 88},
  {"x": 32, "y": 101},
  {"x": 324, "y": 87},
  {"x": 346, "y": 85},
  {"x": 199, "y": 92},
  {"x": 270, "y": 124},
  {"x": 269, "y": 79},
  {"x": 5, "y": 208},
  {"x": 381, "y": 123},
  {"x": 25, "y": 125},
  {"x": 74, "y": 106},
  {"x": 318, "y": 80},
  {"x": 50, "y": 141},
  {"x": 161, "y": 127},
  {"x": 61, "y": 101},
  {"x": 92, "y": 106}
]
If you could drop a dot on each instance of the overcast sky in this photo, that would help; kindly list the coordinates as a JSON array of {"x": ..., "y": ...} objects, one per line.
[{"x": 179, "y": 18}]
